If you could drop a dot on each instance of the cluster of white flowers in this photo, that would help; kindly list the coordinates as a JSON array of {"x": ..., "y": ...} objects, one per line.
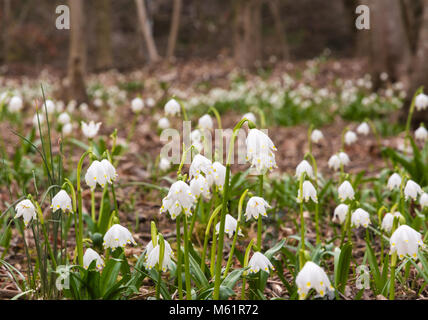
[
  {"x": 100, "y": 172},
  {"x": 260, "y": 150},
  {"x": 337, "y": 160},
  {"x": 179, "y": 199}
]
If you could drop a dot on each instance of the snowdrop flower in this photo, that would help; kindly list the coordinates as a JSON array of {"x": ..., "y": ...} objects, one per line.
[
  {"x": 344, "y": 159},
  {"x": 163, "y": 123},
  {"x": 346, "y": 191},
  {"x": 260, "y": 150},
  {"x": 64, "y": 118},
  {"x": 96, "y": 174},
  {"x": 91, "y": 255},
  {"x": 26, "y": 210},
  {"x": 172, "y": 107},
  {"x": 394, "y": 181},
  {"x": 196, "y": 135},
  {"x": 302, "y": 167},
  {"x": 117, "y": 236},
  {"x": 421, "y": 133},
  {"x": 90, "y": 130},
  {"x": 150, "y": 102},
  {"x": 360, "y": 218},
  {"x": 230, "y": 225},
  {"x": 421, "y": 101},
  {"x": 350, "y": 137},
  {"x": 110, "y": 171},
  {"x": 316, "y": 136},
  {"x": 67, "y": 129},
  {"x": 205, "y": 122},
  {"x": 308, "y": 192},
  {"x": 37, "y": 119},
  {"x": 250, "y": 116},
  {"x": 363, "y": 129},
  {"x": 424, "y": 200},
  {"x": 180, "y": 198},
  {"x": 405, "y": 241},
  {"x": 199, "y": 186},
  {"x": 50, "y": 106},
  {"x": 153, "y": 256},
  {"x": 334, "y": 162},
  {"x": 218, "y": 174},
  {"x": 164, "y": 164},
  {"x": 310, "y": 277},
  {"x": 200, "y": 164},
  {"x": 259, "y": 262},
  {"x": 340, "y": 213},
  {"x": 388, "y": 220},
  {"x": 412, "y": 190},
  {"x": 61, "y": 201},
  {"x": 256, "y": 206},
  {"x": 137, "y": 104},
  {"x": 15, "y": 104}
]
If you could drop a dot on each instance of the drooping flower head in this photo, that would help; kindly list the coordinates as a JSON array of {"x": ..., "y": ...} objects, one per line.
[
  {"x": 259, "y": 262},
  {"x": 180, "y": 198},
  {"x": 205, "y": 122},
  {"x": 61, "y": 201},
  {"x": 346, "y": 191},
  {"x": 100, "y": 172},
  {"x": 421, "y": 101},
  {"x": 388, "y": 220},
  {"x": 423, "y": 200},
  {"x": 405, "y": 241},
  {"x": 200, "y": 164},
  {"x": 218, "y": 174},
  {"x": 172, "y": 107},
  {"x": 91, "y": 255},
  {"x": 152, "y": 256},
  {"x": 256, "y": 206},
  {"x": 350, "y": 137},
  {"x": 421, "y": 133},
  {"x": 316, "y": 136},
  {"x": 394, "y": 181},
  {"x": 137, "y": 104},
  {"x": 340, "y": 213},
  {"x": 363, "y": 129},
  {"x": 304, "y": 167},
  {"x": 360, "y": 217},
  {"x": 310, "y": 277},
  {"x": 260, "y": 150},
  {"x": 308, "y": 192},
  {"x": 26, "y": 210},
  {"x": 250, "y": 116},
  {"x": 117, "y": 236},
  {"x": 199, "y": 186},
  {"x": 412, "y": 190},
  {"x": 90, "y": 130},
  {"x": 230, "y": 225}
]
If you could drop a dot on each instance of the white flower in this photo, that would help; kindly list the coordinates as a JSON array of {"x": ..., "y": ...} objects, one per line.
[
  {"x": 64, "y": 118},
  {"x": 350, "y": 137},
  {"x": 260, "y": 150},
  {"x": 388, "y": 220},
  {"x": 110, "y": 171},
  {"x": 218, "y": 174},
  {"x": 15, "y": 104},
  {"x": 412, "y": 190},
  {"x": 363, "y": 129},
  {"x": 405, "y": 241},
  {"x": 205, "y": 122},
  {"x": 150, "y": 102},
  {"x": 153, "y": 256},
  {"x": 37, "y": 119},
  {"x": 163, "y": 123},
  {"x": 344, "y": 159},
  {"x": 117, "y": 236},
  {"x": 421, "y": 101},
  {"x": 90, "y": 130},
  {"x": 180, "y": 198},
  {"x": 250, "y": 116},
  {"x": 346, "y": 191},
  {"x": 310, "y": 277},
  {"x": 259, "y": 262},
  {"x": 302, "y": 167},
  {"x": 83, "y": 107},
  {"x": 340, "y": 213},
  {"x": 316, "y": 136},
  {"x": 164, "y": 164},
  {"x": 394, "y": 181},
  {"x": 424, "y": 200},
  {"x": 256, "y": 206},
  {"x": 61, "y": 201},
  {"x": 50, "y": 106},
  {"x": 137, "y": 104},
  {"x": 360, "y": 218},
  {"x": 334, "y": 162},
  {"x": 96, "y": 174},
  {"x": 308, "y": 192},
  {"x": 91, "y": 255},
  {"x": 172, "y": 107},
  {"x": 196, "y": 136},
  {"x": 26, "y": 210},
  {"x": 421, "y": 133},
  {"x": 200, "y": 164},
  {"x": 230, "y": 225},
  {"x": 67, "y": 129},
  {"x": 199, "y": 186}
]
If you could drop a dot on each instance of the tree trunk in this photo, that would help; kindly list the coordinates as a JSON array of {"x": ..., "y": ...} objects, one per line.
[
  {"x": 390, "y": 47},
  {"x": 103, "y": 34},
  {"x": 175, "y": 24},
  {"x": 248, "y": 32},
  {"x": 275, "y": 9},
  {"x": 145, "y": 28},
  {"x": 77, "y": 53}
]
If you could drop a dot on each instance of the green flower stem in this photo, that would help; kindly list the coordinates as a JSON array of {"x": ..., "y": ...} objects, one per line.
[
  {"x": 314, "y": 165},
  {"x": 246, "y": 258},
  {"x": 79, "y": 243},
  {"x": 179, "y": 274},
  {"x": 217, "y": 115},
  {"x": 302, "y": 224},
  {"x": 409, "y": 117},
  {"x": 235, "y": 236},
  {"x": 161, "y": 256},
  {"x": 259, "y": 221},
  {"x": 93, "y": 205},
  {"x": 393, "y": 265},
  {"x": 186, "y": 260},
  {"x": 207, "y": 233},
  {"x": 213, "y": 247},
  {"x": 379, "y": 215},
  {"x": 195, "y": 214}
]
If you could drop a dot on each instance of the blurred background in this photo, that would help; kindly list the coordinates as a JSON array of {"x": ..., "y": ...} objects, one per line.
[{"x": 255, "y": 35}]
